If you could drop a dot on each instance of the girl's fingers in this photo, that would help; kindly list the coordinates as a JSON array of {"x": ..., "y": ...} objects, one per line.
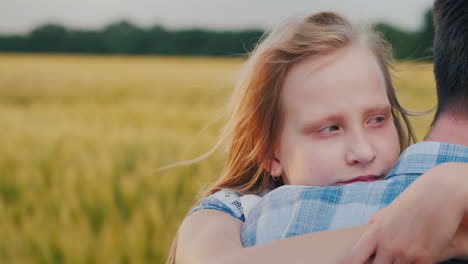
[{"x": 364, "y": 249}]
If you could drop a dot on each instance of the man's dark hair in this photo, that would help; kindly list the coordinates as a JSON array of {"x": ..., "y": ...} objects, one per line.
[{"x": 451, "y": 56}]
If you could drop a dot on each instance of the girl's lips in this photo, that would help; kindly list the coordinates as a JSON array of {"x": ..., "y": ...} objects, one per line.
[{"x": 366, "y": 178}]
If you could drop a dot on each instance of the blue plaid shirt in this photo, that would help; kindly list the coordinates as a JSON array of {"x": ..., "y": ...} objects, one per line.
[{"x": 293, "y": 210}]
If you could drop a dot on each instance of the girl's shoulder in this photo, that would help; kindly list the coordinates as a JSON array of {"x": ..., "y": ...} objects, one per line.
[{"x": 228, "y": 201}]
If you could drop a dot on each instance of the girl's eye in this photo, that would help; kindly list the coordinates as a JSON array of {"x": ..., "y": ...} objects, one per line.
[
  {"x": 377, "y": 120},
  {"x": 331, "y": 128}
]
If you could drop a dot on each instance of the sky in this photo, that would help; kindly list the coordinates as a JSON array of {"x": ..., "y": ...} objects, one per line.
[{"x": 21, "y": 16}]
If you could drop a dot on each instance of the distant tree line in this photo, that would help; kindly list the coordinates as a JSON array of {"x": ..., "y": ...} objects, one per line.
[{"x": 127, "y": 38}]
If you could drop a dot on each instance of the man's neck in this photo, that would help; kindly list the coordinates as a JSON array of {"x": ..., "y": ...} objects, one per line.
[{"x": 450, "y": 129}]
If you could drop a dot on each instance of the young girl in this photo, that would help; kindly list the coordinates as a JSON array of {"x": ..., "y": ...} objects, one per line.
[{"x": 315, "y": 107}]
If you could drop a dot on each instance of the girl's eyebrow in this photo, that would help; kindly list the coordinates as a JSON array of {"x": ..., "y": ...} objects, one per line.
[{"x": 384, "y": 108}]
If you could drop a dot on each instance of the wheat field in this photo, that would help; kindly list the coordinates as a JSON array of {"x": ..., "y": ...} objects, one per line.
[{"x": 82, "y": 137}]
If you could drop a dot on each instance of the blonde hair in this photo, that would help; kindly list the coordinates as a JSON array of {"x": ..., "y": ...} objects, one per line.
[{"x": 254, "y": 123}]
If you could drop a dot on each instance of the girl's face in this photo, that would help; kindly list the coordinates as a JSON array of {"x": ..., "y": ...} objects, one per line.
[{"x": 337, "y": 126}]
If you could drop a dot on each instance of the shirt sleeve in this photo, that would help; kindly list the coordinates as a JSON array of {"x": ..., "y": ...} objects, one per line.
[{"x": 226, "y": 201}]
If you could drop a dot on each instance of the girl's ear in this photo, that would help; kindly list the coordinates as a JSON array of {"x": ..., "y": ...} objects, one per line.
[{"x": 276, "y": 170}]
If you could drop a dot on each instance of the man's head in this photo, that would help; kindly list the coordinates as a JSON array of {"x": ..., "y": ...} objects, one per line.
[{"x": 451, "y": 56}]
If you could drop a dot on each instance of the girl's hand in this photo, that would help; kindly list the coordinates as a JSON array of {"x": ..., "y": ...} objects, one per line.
[{"x": 420, "y": 225}]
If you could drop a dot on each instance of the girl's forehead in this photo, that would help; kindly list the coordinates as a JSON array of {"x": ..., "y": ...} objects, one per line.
[
  {"x": 339, "y": 70},
  {"x": 349, "y": 76}
]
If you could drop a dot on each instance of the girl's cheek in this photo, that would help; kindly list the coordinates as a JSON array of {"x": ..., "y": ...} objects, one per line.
[{"x": 323, "y": 166}]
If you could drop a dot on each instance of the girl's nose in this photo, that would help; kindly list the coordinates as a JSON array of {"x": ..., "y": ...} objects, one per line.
[{"x": 360, "y": 152}]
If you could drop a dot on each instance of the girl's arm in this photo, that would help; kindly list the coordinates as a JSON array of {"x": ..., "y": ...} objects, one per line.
[{"x": 211, "y": 236}]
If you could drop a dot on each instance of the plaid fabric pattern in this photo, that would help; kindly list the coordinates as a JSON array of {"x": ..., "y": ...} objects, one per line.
[{"x": 293, "y": 210}]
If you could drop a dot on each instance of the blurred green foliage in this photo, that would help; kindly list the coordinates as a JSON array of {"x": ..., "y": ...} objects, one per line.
[
  {"x": 409, "y": 45},
  {"x": 126, "y": 38}
]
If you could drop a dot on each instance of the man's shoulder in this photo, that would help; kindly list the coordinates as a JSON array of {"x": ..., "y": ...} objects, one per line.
[
  {"x": 435, "y": 148},
  {"x": 422, "y": 156},
  {"x": 289, "y": 195}
]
